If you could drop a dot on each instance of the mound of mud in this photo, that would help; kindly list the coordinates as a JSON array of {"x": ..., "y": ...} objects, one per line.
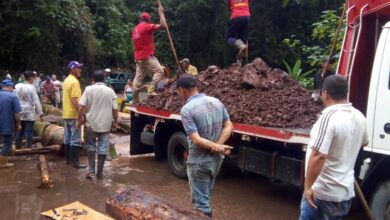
[{"x": 254, "y": 94}]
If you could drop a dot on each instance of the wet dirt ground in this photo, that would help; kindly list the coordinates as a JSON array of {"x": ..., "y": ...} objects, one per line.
[{"x": 236, "y": 195}]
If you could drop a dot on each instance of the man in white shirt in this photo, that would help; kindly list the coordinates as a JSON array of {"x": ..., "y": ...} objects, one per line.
[
  {"x": 99, "y": 109},
  {"x": 335, "y": 141},
  {"x": 31, "y": 107},
  {"x": 57, "y": 85}
]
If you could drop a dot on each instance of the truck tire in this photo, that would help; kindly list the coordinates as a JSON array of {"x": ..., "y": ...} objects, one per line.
[
  {"x": 380, "y": 202},
  {"x": 176, "y": 152}
]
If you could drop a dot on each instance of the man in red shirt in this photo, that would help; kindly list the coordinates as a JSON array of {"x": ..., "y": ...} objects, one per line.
[
  {"x": 146, "y": 62},
  {"x": 238, "y": 28}
]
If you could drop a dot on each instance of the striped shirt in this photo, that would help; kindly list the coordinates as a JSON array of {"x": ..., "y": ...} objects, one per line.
[
  {"x": 204, "y": 115},
  {"x": 339, "y": 133}
]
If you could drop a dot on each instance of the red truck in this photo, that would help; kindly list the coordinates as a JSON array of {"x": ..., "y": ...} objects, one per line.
[{"x": 279, "y": 153}]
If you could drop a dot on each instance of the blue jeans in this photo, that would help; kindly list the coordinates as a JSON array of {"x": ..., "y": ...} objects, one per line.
[
  {"x": 7, "y": 144},
  {"x": 102, "y": 140},
  {"x": 201, "y": 177},
  {"x": 72, "y": 135},
  {"x": 326, "y": 210},
  {"x": 27, "y": 132}
]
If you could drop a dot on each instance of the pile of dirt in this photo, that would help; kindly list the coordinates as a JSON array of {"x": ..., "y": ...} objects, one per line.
[{"x": 254, "y": 94}]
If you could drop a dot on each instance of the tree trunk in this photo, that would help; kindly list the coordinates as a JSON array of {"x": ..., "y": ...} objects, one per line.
[{"x": 135, "y": 204}]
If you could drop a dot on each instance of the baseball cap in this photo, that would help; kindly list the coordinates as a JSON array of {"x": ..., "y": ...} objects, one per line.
[
  {"x": 107, "y": 70},
  {"x": 74, "y": 64},
  {"x": 185, "y": 60},
  {"x": 145, "y": 16},
  {"x": 7, "y": 82},
  {"x": 186, "y": 81}
]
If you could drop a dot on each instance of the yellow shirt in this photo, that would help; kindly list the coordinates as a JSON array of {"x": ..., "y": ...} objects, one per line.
[
  {"x": 71, "y": 90},
  {"x": 192, "y": 70}
]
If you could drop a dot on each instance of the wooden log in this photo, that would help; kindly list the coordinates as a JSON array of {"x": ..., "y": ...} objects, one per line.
[
  {"x": 124, "y": 124},
  {"x": 51, "y": 134},
  {"x": 46, "y": 181},
  {"x": 135, "y": 204},
  {"x": 51, "y": 110},
  {"x": 41, "y": 150}
]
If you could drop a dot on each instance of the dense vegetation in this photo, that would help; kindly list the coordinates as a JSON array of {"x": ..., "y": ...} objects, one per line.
[{"x": 44, "y": 35}]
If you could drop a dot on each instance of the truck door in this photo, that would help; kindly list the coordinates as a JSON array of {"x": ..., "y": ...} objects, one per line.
[{"x": 381, "y": 128}]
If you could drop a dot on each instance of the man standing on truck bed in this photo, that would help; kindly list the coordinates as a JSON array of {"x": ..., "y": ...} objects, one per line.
[
  {"x": 335, "y": 141},
  {"x": 238, "y": 27},
  {"x": 208, "y": 126},
  {"x": 146, "y": 62}
]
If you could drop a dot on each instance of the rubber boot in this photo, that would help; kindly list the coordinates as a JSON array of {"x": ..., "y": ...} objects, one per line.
[
  {"x": 18, "y": 144},
  {"x": 101, "y": 160},
  {"x": 76, "y": 157},
  {"x": 29, "y": 142},
  {"x": 91, "y": 164},
  {"x": 67, "y": 152}
]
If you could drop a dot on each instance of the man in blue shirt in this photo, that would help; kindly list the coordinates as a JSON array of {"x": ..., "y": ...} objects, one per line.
[
  {"x": 9, "y": 116},
  {"x": 208, "y": 126}
]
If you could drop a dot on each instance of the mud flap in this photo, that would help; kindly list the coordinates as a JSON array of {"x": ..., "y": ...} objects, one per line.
[{"x": 138, "y": 123}]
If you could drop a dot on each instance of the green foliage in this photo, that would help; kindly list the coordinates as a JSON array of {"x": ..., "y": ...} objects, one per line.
[
  {"x": 317, "y": 49},
  {"x": 296, "y": 73},
  {"x": 45, "y": 34}
]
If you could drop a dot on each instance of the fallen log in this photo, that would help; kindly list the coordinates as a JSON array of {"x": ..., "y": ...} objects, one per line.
[
  {"x": 51, "y": 110},
  {"x": 51, "y": 134},
  {"x": 135, "y": 204},
  {"x": 46, "y": 181}
]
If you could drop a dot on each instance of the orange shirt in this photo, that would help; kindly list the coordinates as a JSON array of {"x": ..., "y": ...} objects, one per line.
[{"x": 239, "y": 8}]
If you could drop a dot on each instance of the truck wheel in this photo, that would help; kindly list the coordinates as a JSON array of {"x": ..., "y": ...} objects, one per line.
[
  {"x": 380, "y": 202},
  {"x": 177, "y": 154}
]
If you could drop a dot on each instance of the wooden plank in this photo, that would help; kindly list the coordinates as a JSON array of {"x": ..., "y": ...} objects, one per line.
[{"x": 75, "y": 210}]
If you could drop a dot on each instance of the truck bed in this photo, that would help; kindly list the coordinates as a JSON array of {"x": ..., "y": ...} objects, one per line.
[{"x": 294, "y": 136}]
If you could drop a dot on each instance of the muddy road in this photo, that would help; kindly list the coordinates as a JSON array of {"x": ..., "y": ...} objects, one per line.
[{"x": 236, "y": 195}]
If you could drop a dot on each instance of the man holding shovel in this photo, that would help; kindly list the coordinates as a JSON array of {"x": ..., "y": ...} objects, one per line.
[{"x": 144, "y": 54}]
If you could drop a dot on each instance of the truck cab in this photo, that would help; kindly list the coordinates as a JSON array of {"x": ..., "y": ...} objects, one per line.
[{"x": 365, "y": 61}]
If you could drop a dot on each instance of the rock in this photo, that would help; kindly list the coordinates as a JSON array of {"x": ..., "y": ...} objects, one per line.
[{"x": 254, "y": 94}]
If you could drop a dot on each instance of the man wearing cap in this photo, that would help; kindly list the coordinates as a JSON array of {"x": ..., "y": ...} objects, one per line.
[
  {"x": 71, "y": 96},
  {"x": 207, "y": 124},
  {"x": 9, "y": 116},
  {"x": 144, "y": 54},
  {"x": 107, "y": 79},
  {"x": 99, "y": 104},
  {"x": 238, "y": 27},
  {"x": 188, "y": 68},
  {"x": 31, "y": 107}
]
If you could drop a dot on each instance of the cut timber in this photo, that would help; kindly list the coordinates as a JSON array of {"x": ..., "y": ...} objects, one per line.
[
  {"x": 135, "y": 204},
  {"x": 40, "y": 150},
  {"x": 50, "y": 110},
  {"x": 75, "y": 210},
  {"x": 47, "y": 182},
  {"x": 51, "y": 134}
]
